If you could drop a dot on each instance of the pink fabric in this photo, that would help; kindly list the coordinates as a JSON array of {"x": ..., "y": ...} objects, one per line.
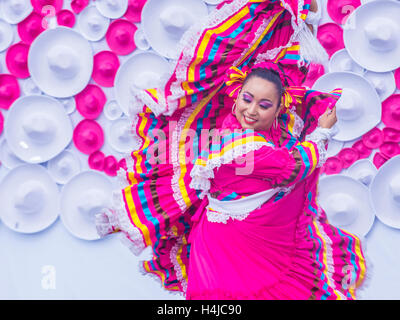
[{"x": 282, "y": 250}]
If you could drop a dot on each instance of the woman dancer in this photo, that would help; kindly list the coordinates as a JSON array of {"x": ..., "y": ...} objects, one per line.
[{"x": 164, "y": 204}]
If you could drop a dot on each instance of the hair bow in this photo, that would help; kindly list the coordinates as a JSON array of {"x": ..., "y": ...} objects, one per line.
[{"x": 234, "y": 78}]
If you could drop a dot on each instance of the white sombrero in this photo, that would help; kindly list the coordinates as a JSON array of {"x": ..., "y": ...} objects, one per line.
[
  {"x": 29, "y": 199},
  {"x": 143, "y": 70},
  {"x": 37, "y": 128},
  {"x": 7, "y": 157},
  {"x": 359, "y": 108},
  {"x": 119, "y": 135},
  {"x": 29, "y": 87},
  {"x": 334, "y": 147},
  {"x": 385, "y": 193},
  {"x": 64, "y": 166},
  {"x": 372, "y": 35},
  {"x": 347, "y": 203},
  {"x": 341, "y": 61},
  {"x": 61, "y": 62},
  {"x": 112, "y": 9},
  {"x": 362, "y": 170},
  {"x": 6, "y": 35},
  {"x": 165, "y": 21},
  {"x": 140, "y": 40},
  {"x": 14, "y": 11},
  {"x": 81, "y": 198},
  {"x": 383, "y": 82},
  {"x": 92, "y": 24},
  {"x": 112, "y": 110}
]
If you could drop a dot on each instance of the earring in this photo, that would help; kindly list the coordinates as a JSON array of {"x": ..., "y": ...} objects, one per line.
[{"x": 276, "y": 124}]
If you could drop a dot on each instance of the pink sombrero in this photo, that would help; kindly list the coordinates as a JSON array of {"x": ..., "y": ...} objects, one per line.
[
  {"x": 88, "y": 136},
  {"x": 397, "y": 78},
  {"x": 362, "y": 149},
  {"x": 105, "y": 67},
  {"x": 315, "y": 71},
  {"x": 390, "y": 149},
  {"x": 17, "y": 60},
  {"x": 120, "y": 36},
  {"x": 391, "y": 111},
  {"x": 30, "y": 27},
  {"x": 373, "y": 139},
  {"x": 90, "y": 101},
  {"x": 78, "y": 5},
  {"x": 96, "y": 160},
  {"x": 66, "y": 18},
  {"x": 330, "y": 35},
  {"x": 333, "y": 165},
  {"x": 348, "y": 156},
  {"x": 44, "y": 6},
  {"x": 339, "y": 10},
  {"x": 379, "y": 159},
  {"x": 391, "y": 134},
  {"x": 9, "y": 90},
  {"x": 134, "y": 11}
]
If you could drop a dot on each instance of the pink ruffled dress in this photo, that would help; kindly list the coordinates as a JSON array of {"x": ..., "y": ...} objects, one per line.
[{"x": 285, "y": 249}]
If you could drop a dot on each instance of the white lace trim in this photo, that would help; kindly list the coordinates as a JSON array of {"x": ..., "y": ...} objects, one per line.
[
  {"x": 201, "y": 174},
  {"x": 174, "y": 260},
  {"x": 116, "y": 218},
  {"x": 143, "y": 272},
  {"x": 329, "y": 258},
  {"x": 321, "y": 136},
  {"x": 222, "y": 217},
  {"x": 298, "y": 124}
]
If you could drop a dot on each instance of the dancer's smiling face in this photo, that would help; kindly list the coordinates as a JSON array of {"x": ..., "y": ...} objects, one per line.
[{"x": 258, "y": 104}]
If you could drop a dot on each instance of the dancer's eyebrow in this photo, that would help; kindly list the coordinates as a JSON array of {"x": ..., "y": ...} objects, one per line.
[{"x": 253, "y": 97}]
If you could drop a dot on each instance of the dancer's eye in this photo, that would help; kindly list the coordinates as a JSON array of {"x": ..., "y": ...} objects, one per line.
[
  {"x": 266, "y": 105},
  {"x": 246, "y": 98}
]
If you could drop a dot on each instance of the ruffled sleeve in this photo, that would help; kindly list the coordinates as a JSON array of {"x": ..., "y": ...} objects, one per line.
[{"x": 284, "y": 167}]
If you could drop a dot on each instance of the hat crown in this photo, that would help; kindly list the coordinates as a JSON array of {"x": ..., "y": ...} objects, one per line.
[
  {"x": 365, "y": 176},
  {"x": 176, "y": 20},
  {"x": 6, "y": 91},
  {"x": 379, "y": 85},
  {"x": 146, "y": 80},
  {"x": 394, "y": 187},
  {"x": 123, "y": 132},
  {"x": 347, "y": 107},
  {"x": 40, "y": 128},
  {"x": 90, "y": 203},
  {"x": 381, "y": 34},
  {"x": 112, "y": 4},
  {"x": 95, "y": 22},
  {"x": 30, "y": 197},
  {"x": 17, "y": 6},
  {"x": 343, "y": 209},
  {"x": 63, "y": 61},
  {"x": 91, "y": 102},
  {"x": 328, "y": 40}
]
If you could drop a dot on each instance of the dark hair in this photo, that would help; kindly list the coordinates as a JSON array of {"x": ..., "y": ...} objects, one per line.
[{"x": 269, "y": 75}]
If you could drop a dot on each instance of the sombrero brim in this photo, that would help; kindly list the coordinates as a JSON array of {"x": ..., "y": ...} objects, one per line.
[
  {"x": 357, "y": 43},
  {"x": 329, "y": 185},
  {"x": 131, "y": 69},
  {"x": 70, "y": 216},
  {"x": 386, "y": 210},
  {"x": 112, "y": 14},
  {"x": 159, "y": 39},
  {"x": 17, "y": 140},
  {"x": 28, "y": 223},
  {"x": 40, "y": 70},
  {"x": 12, "y": 18},
  {"x": 7, "y": 35},
  {"x": 84, "y": 27},
  {"x": 388, "y": 78},
  {"x": 370, "y": 101},
  {"x": 337, "y": 57}
]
